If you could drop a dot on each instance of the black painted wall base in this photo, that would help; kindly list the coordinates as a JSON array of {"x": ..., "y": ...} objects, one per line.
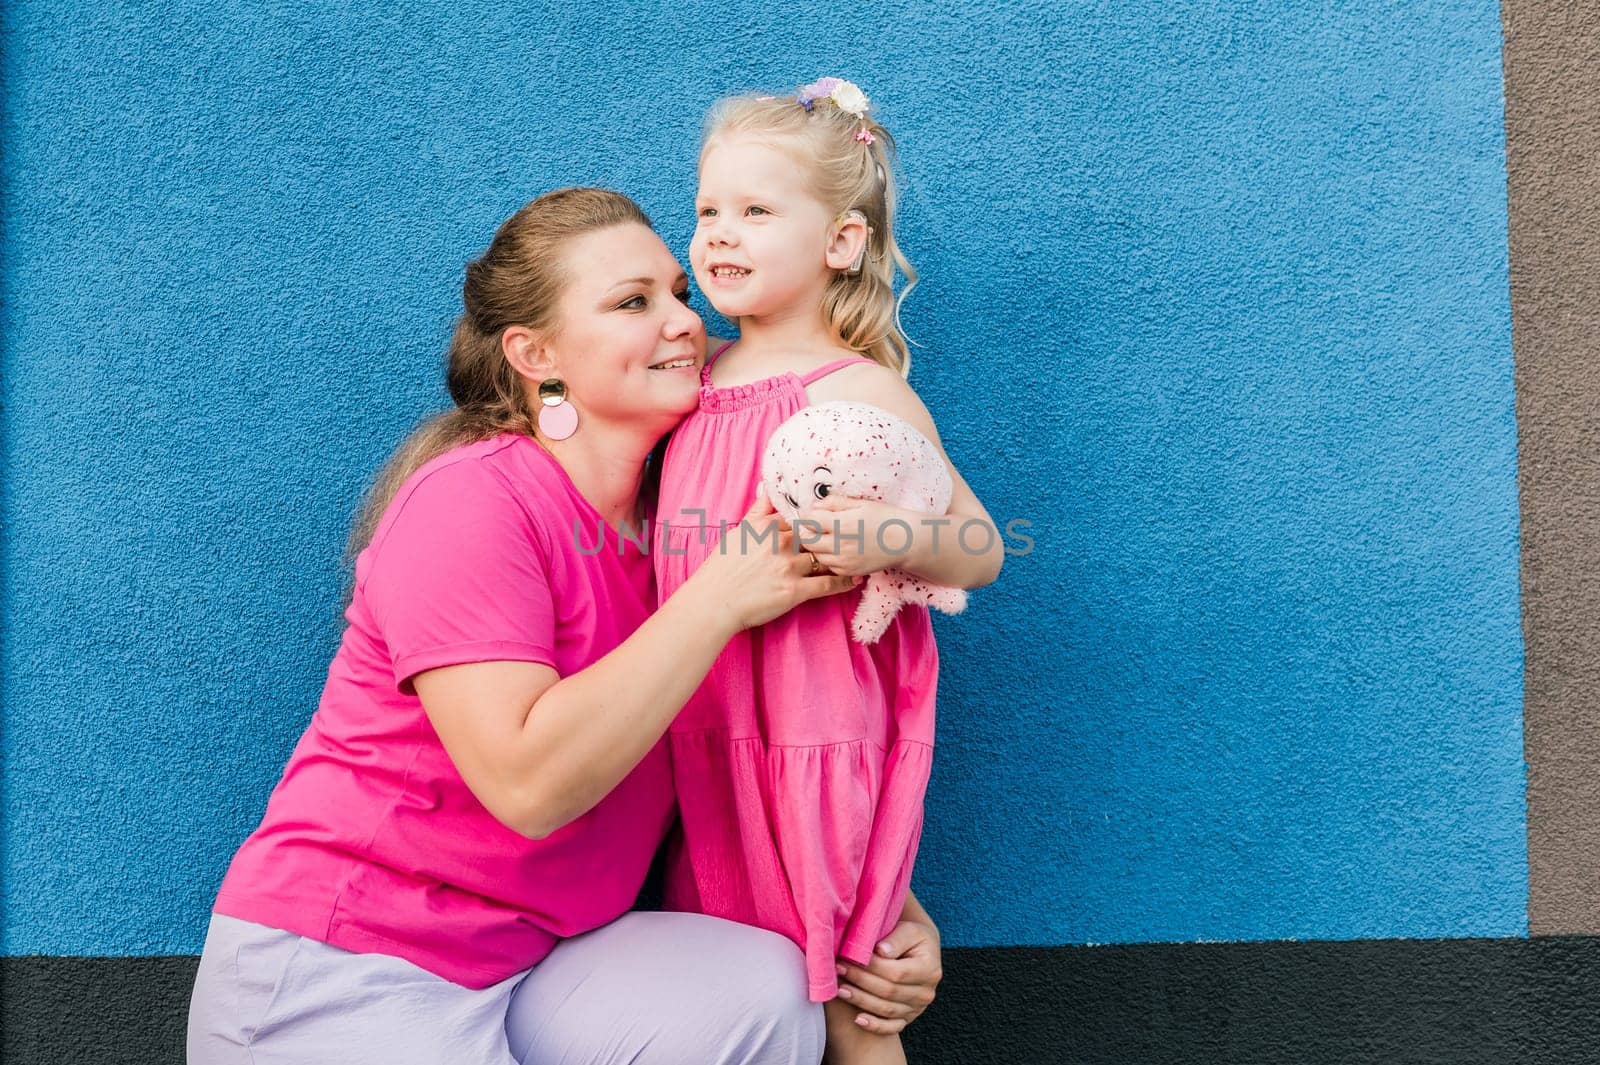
[{"x": 1498, "y": 1001}]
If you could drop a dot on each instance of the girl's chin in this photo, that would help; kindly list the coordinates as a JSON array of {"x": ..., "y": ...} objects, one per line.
[{"x": 733, "y": 305}]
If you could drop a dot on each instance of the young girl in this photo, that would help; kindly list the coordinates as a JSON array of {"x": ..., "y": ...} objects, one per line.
[{"x": 801, "y": 761}]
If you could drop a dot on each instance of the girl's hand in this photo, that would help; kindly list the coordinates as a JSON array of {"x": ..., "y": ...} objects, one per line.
[
  {"x": 897, "y": 985},
  {"x": 757, "y": 573},
  {"x": 859, "y": 536}
]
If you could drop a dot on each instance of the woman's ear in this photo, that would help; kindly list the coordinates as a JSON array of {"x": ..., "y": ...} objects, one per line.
[
  {"x": 849, "y": 243},
  {"x": 527, "y": 353}
]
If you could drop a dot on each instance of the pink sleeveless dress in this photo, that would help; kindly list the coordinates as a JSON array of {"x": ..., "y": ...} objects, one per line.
[{"x": 801, "y": 762}]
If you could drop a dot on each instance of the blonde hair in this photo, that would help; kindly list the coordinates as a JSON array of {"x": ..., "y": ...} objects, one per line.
[
  {"x": 847, "y": 174},
  {"x": 517, "y": 281}
]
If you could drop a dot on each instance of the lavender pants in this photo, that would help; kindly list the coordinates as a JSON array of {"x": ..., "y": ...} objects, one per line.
[{"x": 646, "y": 989}]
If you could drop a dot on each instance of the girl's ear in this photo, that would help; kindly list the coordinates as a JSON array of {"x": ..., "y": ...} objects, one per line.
[
  {"x": 849, "y": 243},
  {"x": 527, "y": 353}
]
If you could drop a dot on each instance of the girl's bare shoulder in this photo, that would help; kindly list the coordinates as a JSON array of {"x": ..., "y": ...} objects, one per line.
[{"x": 867, "y": 382}]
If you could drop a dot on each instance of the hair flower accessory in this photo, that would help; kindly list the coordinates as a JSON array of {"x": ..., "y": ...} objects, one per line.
[
  {"x": 849, "y": 98},
  {"x": 817, "y": 90},
  {"x": 845, "y": 95}
]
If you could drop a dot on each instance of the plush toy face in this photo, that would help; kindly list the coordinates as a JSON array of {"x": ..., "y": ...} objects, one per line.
[{"x": 852, "y": 450}]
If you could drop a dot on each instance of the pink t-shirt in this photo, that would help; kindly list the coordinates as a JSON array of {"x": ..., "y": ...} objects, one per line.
[{"x": 371, "y": 841}]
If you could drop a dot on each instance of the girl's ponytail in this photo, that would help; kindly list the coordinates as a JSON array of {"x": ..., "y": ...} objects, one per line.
[{"x": 862, "y": 309}]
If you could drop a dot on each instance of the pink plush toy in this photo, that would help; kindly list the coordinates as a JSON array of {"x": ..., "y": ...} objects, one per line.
[{"x": 859, "y": 451}]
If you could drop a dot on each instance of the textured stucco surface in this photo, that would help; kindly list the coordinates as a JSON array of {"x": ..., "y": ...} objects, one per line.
[
  {"x": 1214, "y": 294},
  {"x": 1552, "y": 77}
]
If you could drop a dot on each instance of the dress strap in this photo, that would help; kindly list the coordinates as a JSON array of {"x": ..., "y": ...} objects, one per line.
[
  {"x": 823, "y": 371},
  {"x": 705, "y": 371}
]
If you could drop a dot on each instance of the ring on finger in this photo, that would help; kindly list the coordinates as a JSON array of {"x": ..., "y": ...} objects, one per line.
[{"x": 816, "y": 567}]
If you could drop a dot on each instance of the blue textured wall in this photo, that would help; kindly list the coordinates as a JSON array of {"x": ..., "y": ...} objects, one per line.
[{"x": 1215, "y": 295}]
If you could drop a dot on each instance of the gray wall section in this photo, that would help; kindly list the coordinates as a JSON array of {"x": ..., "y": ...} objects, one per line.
[
  {"x": 1552, "y": 74},
  {"x": 1387, "y": 1002}
]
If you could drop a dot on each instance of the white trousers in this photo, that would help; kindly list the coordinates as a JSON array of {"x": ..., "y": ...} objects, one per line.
[{"x": 647, "y": 989}]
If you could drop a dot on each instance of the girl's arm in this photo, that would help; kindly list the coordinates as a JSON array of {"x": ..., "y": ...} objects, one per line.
[
  {"x": 962, "y": 550},
  {"x": 540, "y": 750}
]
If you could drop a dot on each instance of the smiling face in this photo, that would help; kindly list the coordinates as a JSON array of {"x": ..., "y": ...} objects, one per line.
[
  {"x": 625, "y": 341},
  {"x": 761, "y": 236}
]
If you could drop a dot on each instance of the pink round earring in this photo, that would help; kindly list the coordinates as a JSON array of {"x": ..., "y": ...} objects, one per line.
[{"x": 558, "y": 419}]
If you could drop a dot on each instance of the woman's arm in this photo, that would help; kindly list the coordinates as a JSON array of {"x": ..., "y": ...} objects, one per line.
[
  {"x": 961, "y": 549},
  {"x": 540, "y": 750},
  {"x": 898, "y": 984}
]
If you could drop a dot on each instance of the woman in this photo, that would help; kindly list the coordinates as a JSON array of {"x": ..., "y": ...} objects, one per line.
[{"x": 445, "y": 869}]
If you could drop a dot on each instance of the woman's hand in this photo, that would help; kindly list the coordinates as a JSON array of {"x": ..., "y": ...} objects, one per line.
[
  {"x": 897, "y": 985},
  {"x": 757, "y": 573},
  {"x": 861, "y": 536}
]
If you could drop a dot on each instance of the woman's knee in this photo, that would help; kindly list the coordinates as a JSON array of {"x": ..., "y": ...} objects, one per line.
[
  {"x": 778, "y": 1022},
  {"x": 697, "y": 989},
  {"x": 753, "y": 1004}
]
